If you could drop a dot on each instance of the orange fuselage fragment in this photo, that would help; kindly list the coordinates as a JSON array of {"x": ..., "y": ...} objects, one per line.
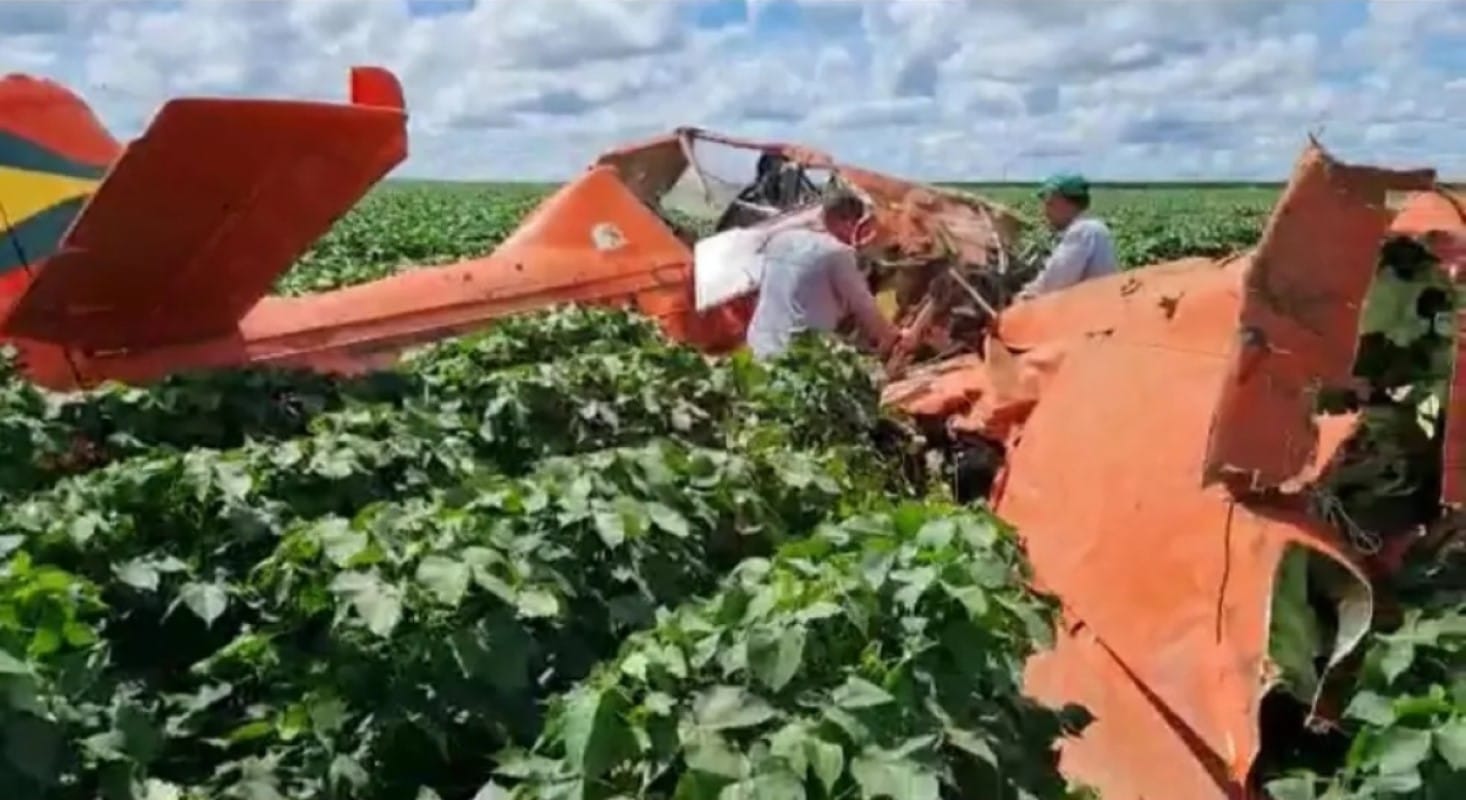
[{"x": 1117, "y": 400}]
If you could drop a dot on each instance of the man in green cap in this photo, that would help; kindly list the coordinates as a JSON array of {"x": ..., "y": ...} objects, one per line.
[{"x": 1085, "y": 248}]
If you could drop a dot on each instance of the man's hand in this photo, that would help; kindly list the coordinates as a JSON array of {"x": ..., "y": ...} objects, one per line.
[{"x": 901, "y": 340}]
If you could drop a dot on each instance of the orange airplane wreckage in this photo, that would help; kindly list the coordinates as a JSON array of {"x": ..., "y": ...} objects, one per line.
[
  {"x": 130, "y": 263},
  {"x": 1155, "y": 431}
]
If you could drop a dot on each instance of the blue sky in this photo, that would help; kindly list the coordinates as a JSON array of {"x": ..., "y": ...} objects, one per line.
[{"x": 1122, "y": 89}]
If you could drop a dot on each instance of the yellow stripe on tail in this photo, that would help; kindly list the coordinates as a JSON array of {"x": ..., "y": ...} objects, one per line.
[{"x": 24, "y": 194}]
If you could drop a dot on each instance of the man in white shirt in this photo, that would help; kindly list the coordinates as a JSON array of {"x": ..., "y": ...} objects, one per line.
[
  {"x": 811, "y": 281},
  {"x": 1085, "y": 248}
]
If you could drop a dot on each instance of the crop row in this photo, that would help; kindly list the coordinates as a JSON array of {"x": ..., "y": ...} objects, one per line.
[{"x": 377, "y": 587}]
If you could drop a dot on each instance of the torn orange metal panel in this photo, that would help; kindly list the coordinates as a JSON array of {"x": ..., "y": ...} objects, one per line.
[
  {"x": 914, "y": 220},
  {"x": 649, "y": 169},
  {"x": 1104, "y": 486},
  {"x": 1105, "y": 481},
  {"x": 1299, "y": 322},
  {"x": 1424, "y": 213}
]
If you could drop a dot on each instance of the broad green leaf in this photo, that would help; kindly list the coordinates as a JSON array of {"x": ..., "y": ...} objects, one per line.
[
  {"x": 1297, "y": 787},
  {"x": 378, "y": 603},
  {"x": 207, "y": 601},
  {"x": 340, "y": 543},
  {"x": 858, "y": 693},
  {"x": 880, "y": 776},
  {"x": 778, "y": 785},
  {"x": 446, "y": 578},
  {"x": 491, "y": 791},
  {"x": 848, "y": 724},
  {"x": 979, "y": 532},
  {"x": 233, "y": 480},
  {"x": 45, "y": 641},
  {"x": 828, "y": 762},
  {"x": 729, "y": 708},
  {"x": 346, "y": 770},
  {"x": 709, "y": 753},
  {"x": 1371, "y": 707},
  {"x": 973, "y": 744},
  {"x": 1392, "y": 784},
  {"x": 937, "y": 533},
  {"x": 635, "y": 665},
  {"x": 914, "y": 582},
  {"x": 669, "y": 520},
  {"x": 1039, "y": 630},
  {"x": 138, "y": 573},
  {"x": 592, "y": 732},
  {"x": 537, "y": 604},
  {"x": 1294, "y": 634},
  {"x": 1401, "y": 750},
  {"x": 659, "y": 703},
  {"x": 1450, "y": 742},
  {"x": 972, "y": 598},
  {"x": 10, "y": 665},
  {"x": 774, "y": 656},
  {"x": 83, "y": 527},
  {"x": 154, "y": 789},
  {"x": 1389, "y": 309},
  {"x": 788, "y": 743},
  {"x": 1398, "y": 657},
  {"x": 611, "y": 527},
  {"x": 258, "y": 780},
  {"x": 327, "y": 714},
  {"x": 818, "y": 611},
  {"x": 250, "y": 731}
]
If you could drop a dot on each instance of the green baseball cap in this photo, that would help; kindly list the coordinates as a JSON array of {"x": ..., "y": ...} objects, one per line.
[{"x": 1065, "y": 184}]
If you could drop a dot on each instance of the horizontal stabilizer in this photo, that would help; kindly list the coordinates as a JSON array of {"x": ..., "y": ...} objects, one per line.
[{"x": 197, "y": 219}]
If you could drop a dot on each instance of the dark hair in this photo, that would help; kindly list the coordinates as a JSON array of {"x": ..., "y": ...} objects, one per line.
[
  {"x": 1080, "y": 201},
  {"x": 768, "y": 161},
  {"x": 843, "y": 205}
]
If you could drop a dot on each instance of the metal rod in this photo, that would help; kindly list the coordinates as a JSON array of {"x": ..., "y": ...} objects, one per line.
[{"x": 973, "y": 292}]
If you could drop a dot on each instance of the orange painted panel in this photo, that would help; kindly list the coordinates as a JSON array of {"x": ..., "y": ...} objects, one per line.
[
  {"x": 591, "y": 242},
  {"x": 55, "y": 118},
  {"x": 1104, "y": 485},
  {"x": 198, "y": 218},
  {"x": 1299, "y": 324}
]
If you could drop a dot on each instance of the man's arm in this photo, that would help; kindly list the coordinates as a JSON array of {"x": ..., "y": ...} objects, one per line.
[
  {"x": 1065, "y": 266},
  {"x": 855, "y": 296}
]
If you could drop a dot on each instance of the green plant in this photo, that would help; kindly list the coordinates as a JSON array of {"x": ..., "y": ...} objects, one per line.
[{"x": 878, "y": 658}]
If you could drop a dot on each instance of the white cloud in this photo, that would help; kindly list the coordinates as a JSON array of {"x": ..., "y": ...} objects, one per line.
[{"x": 935, "y": 88}]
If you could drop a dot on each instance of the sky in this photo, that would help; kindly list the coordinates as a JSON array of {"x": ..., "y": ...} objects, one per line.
[{"x": 932, "y": 89}]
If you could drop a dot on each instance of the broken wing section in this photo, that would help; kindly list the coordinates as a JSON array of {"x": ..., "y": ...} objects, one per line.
[
  {"x": 196, "y": 220},
  {"x": 1298, "y": 327}
]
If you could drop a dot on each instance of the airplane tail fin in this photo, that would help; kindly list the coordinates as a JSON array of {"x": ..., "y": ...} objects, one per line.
[
  {"x": 198, "y": 216},
  {"x": 53, "y": 154}
]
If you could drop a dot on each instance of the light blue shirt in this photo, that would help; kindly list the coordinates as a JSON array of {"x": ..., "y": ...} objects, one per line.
[
  {"x": 1085, "y": 251},
  {"x": 810, "y": 282}
]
